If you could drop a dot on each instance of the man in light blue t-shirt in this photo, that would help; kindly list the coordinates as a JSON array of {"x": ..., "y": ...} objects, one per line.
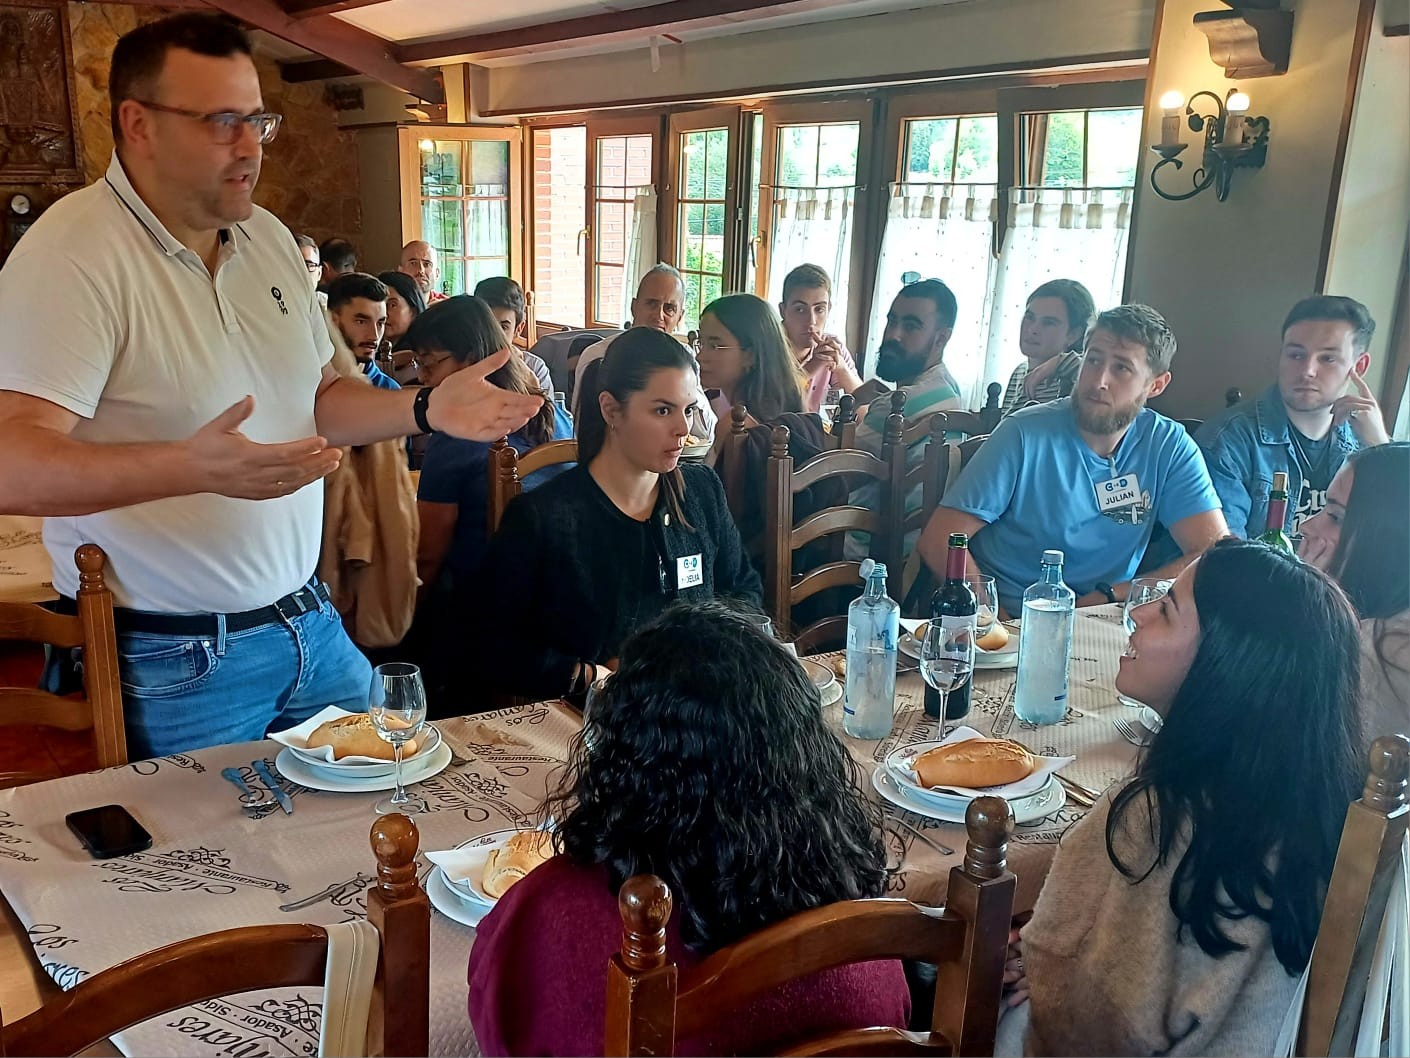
[{"x": 1089, "y": 474}]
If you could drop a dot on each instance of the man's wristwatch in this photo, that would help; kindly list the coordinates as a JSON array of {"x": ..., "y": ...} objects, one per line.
[
  {"x": 1107, "y": 590},
  {"x": 419, "y": 407}
]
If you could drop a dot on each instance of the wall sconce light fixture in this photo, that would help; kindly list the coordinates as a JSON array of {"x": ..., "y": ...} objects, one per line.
[{"x": 1232, "y": 140}]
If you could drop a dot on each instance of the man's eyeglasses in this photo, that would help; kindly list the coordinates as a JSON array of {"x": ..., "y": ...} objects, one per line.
[
  {"x": 418, "y": 362},
  {"x": 225, "y": 125},
  {"x": 312, "y": 266}
]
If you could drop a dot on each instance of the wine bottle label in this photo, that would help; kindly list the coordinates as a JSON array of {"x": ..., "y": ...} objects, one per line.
[{"x": 958, "y": 629}]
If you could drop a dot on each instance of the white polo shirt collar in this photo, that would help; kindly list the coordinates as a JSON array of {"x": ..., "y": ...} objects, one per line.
[{"x": 116, "y": 178}]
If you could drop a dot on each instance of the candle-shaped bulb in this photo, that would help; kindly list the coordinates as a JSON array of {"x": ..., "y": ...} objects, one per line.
[
  {"x": 1171, "y": 102},
  {"x": 1237, "y": 103}
]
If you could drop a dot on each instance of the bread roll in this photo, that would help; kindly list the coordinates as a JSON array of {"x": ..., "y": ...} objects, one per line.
[
  {"x": 974, "y": 764},
  {"x": 515, "y": 859},
  {"x": 995, "y": 639},
  {"x": 356, "y": 736}
]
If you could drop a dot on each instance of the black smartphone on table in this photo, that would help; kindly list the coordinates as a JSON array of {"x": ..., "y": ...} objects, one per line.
[{"x": 108, "y": 831}]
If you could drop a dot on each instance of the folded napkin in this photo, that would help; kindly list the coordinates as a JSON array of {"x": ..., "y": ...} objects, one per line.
[
  {"x": 901, "y": 764},
  {"x": 297, "y": 738},
  {"x": 465, "y": 866}
]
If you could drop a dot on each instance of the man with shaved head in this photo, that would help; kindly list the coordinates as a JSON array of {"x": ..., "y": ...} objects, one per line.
[{"x": 418, "y": 260}]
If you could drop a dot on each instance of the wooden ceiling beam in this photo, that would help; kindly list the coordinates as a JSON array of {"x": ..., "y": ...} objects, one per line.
[
  {"x": 342, "y": 42},
  {"x": 313, "y": 8},
  {"x": 633, "y": 24}
]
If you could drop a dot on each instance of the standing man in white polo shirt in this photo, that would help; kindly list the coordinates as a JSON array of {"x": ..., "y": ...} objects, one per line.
[{"x": 166, "y": 393}]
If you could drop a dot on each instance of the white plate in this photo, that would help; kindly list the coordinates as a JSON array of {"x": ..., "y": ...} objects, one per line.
[
  {"x": 820, "y": 673},
  {"x": 831, "y": 695},
  {"x": 367, "y": 767},
  {"x": 479, "y": 849},
  {"x": 898, "y": 762},
  {"x": 1004, "y": 658},
  {"x": 1025, "y": 809},
  {"x": 296, "y": 738},
  {"x": 444, "y": 900},
  {"x": 291, "y": 767}
]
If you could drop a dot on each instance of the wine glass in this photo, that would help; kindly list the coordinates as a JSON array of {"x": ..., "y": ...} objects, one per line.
[
  {"x": 397, "y": 706},
  {"x": 947, "y": 656},
  {"x": 1143, "y": 590},
  {"x": 986, "y": 599}
]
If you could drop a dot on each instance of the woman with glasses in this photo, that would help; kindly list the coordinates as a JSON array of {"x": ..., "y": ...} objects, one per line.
[
  {"x": 745, "y": 356},
  {"x": 1181, "y": 910},
  {"x": 453, "y": 492},
  {"x": 1362, "y": 538}
]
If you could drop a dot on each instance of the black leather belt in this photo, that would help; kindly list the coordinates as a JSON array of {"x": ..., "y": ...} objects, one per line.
[{"x": 206, "y": 625}]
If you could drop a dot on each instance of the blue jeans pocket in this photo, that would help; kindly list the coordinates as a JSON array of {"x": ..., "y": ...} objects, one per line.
[{"x": 163, "y": 668}]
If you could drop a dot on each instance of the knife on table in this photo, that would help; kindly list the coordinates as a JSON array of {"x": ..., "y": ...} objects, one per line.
[{"x": 267, "y": 777}]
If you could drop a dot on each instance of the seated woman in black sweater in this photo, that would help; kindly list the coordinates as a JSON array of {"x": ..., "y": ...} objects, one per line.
[{"x": 582, "y": 561}]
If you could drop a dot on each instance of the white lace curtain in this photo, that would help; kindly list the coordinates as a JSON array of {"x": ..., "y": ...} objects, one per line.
[
  {"x": 813, "y": 225},
  {"x": 1054, "y": 233},
  {"x": 940, "y": 231},
  {"x": 945, "y": 231},
  {"x": 641, "y": 246}
]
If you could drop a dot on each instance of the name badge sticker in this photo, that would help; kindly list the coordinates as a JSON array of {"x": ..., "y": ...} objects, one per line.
[
  {"x": 689, "y": 572},
  {"x": 1114, "y": 493}
]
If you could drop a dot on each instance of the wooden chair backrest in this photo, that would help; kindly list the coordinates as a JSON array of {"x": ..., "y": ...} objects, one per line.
[
  {"x": 651, "y": 1003},
  {"x": 943, "y": 462},
  {"x": 259, "y": 957},
  {"x": 782, "y": 589},
  {"x": 1367, "y": 858},
  {"x": 731, "y": 461},
  {"x": 92, "y": 628},
  {"x": 1233, "y": 395},
  {"x": 507, "y": 470},
  {"x": 843, "y": 431}
]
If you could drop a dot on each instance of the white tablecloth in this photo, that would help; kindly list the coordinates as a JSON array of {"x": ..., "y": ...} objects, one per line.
[{"x": 211, "y": 867}]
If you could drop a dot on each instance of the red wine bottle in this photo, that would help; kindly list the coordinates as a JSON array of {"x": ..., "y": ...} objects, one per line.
[
  {"x": 1275, "y": 535},
  {"x": 953, "y": 601}
]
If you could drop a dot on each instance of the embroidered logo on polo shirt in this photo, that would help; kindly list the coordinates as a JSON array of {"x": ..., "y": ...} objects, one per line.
[{"x": 278, "y": 296}]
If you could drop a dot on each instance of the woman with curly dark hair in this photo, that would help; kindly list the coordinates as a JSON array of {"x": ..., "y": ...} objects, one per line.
[
  {"x": 710, "y": 766},
  {"x": 1181, "y": 910}
]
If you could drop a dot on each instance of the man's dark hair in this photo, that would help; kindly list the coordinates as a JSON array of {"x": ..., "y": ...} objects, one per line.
[
  {"x": 140, "y": 55},
  {"x": 943, "y": 298},
  {"x": 501, "y": 292},
  {"x": 306, "y": 242},
  {"x": 1078, "y": 301},
  {"x": 338, "y": 254},
  {"x": 806, "y": 277},
  {"x": 351, "y": 285},
  {"x": 1338, "y": 310}
]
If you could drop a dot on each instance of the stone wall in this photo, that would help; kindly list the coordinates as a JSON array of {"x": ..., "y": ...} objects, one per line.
[{"x": 309, "y": 178}]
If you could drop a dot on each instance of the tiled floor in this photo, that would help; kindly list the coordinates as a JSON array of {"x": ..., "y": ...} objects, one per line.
[{"x": 32, "y": 754}]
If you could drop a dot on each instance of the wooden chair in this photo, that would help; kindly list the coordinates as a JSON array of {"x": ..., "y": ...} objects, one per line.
[
  {"x": 259, "y": 957},
  {"x": 783, "y": 590},
  {"x": 843, "y": 431},
  {"x": 731, "y": 462},
  {"x": 651, "y": 1003},
  {"x": 943, "y": 462},
  {"x": 508, "y": 469},
  {"x": 92, "y": 628},
  {"x": 1367, "y": 859}
]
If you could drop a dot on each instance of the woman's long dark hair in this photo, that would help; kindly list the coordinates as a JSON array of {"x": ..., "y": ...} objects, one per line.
[
  {"x": 406, "y": 289},
  {"x": 464, "y": 327},
  {"x": 712, "y": 768},
  {"x": 1372, "y": 556},
  {"x": 631, "y": 360},
  {"x": 773, "y": 384},
  {"x": 1259, "y": 756}
]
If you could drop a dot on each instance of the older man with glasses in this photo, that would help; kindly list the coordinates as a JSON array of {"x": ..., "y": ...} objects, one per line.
[{"x": 166, "y": 393}]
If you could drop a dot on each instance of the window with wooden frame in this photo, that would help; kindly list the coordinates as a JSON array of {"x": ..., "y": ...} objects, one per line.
[
  {"x": 460, "y": 194},
  {"x": 703, "y": 196}
]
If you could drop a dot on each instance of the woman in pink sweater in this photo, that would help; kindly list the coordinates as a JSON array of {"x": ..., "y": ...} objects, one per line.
[
  {"x": 705, "y": 761},
  {"x": 1181, "y": 910}
]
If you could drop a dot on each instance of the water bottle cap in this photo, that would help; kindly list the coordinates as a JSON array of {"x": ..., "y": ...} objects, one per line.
[
  {"x": 1052, "y": 558},
  {"x": 871, "y": 568}
]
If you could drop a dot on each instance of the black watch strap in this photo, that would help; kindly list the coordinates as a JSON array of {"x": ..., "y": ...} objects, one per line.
[
  {"x": 418, "y": 409},
  {"x": 1107, "y": 590}
]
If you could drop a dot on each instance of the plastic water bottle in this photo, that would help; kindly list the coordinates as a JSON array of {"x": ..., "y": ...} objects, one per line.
[
  {"x": 873, "y": 627},
  {"x": 1045, "y": 646}
]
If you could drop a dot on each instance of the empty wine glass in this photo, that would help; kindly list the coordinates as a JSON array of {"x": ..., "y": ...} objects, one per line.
[
  {"x": 986, "y": 599},
  {"x": 397, "y": 705},
  {"x": 947, "y": 657},
  {"x": 1143, "y": 590}
]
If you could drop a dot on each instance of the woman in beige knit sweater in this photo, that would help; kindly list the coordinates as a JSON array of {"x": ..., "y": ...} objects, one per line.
[
  {"x": 1180, "y": 911},
  {"x": 1362, "y": 537}
]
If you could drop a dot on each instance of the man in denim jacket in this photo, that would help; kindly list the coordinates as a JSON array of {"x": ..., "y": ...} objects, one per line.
[{"x": 1305, "y": 425}]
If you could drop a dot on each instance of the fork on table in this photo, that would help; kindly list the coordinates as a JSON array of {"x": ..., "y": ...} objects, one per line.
[{"x": 1137, "y": 734}]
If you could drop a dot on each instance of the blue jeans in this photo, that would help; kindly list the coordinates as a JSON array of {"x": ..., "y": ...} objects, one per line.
[{"x": 182, "y": 694}]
